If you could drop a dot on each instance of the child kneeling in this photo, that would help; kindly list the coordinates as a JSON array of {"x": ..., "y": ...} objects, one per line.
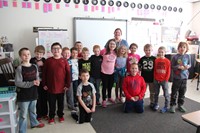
[
  {"x": 134, "y": 89},
  {"x": 86, "y": 99}
]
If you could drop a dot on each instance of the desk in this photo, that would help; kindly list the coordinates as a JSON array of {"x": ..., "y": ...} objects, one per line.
[{"x": 193, "y": 119}]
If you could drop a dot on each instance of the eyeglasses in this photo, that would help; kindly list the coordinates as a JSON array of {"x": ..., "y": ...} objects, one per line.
[{"x": 56, "y": 48}]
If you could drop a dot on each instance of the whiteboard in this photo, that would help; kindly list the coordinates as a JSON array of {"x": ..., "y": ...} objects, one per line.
[
  {"x": 91, "y": 31},
  {"x": 47, "y": 37}
]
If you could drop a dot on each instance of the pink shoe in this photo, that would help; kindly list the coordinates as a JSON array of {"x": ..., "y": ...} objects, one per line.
[
  {"x": 104, "y": 104},
  {"x": 111, "y": 100}
]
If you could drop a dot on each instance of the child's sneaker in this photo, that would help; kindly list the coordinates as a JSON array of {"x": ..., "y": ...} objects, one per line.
[
  {"x": 182, "y": 108},
  {"x": 39, "y": 119},
  {"x": 104, "y": 104},
  {"x": 172, "y": 109},
  {"x": 51, "y": 121},
  {"x": 111, "y": 100},
  {"x": 61, "y": 119},
  {"x": 41, "y": 125},
  {"x": 151, "y": 105},
  {"x": 163, "y": 110},
  {"x": 45, "y": 117},
  {"x": 156, "y": 107}
]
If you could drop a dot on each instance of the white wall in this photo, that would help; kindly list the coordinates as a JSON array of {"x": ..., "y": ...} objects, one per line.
[
  {"x": 17, "y": 22},
  {"x": 195, "y": 20}
]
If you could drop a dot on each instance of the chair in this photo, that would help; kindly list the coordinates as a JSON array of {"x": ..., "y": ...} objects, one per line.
[{"x": 8, "y": 70}]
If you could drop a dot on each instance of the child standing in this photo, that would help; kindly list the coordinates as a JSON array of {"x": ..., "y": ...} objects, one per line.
[
  {"x": 181, "y": 62},
  {"x": 146, "y": 65},
  {"x": 95, "y": 78},
  {"x": 27, "y": 81},
  {"x": 132, "y": 57},
  {"x": 161, "y": 77},
  {"x": 69, "y": 93},
  {"x": 75, "y": 72},
  {"x": 56, "y": 79},
  {"x": 134, "y": 89},
  {"x": 79, "y": 47},
  {"x": 41, "y": 106},
  {"x": 120, "y": 71},
  {"x": 107, "y": 70},
  {"x": 84, "y": 62},
  {"x": 86, "y": 98}
]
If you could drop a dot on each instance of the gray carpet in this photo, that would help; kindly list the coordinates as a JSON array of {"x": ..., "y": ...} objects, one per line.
[{"x": 113, "y": 120}]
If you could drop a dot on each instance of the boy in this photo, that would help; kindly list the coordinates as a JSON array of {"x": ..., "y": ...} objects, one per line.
[
  {"x": 56, "y": 79},
  {"x": 146, "y": 65},
  {"x": 161, "y": 77},
  {"x": 27, "y": 81},
  {"x": 134, "y": 88},
  {"x": 86, "y": 98},
  {"x": 95, "y": 78},
  {"x": 79, "y": 47},
  {"x": 84, "y": 63},
  {"x": 69, "y": 93},
  {"x": 41, "y": 106}
]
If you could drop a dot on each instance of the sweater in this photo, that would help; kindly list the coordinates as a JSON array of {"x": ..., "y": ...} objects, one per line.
[
  {"x": 56, "y": 75},
  {"x": 134, "y": 86}
]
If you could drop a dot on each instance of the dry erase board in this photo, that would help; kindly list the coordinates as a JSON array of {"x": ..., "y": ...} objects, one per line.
[
  {"x": 92, "y": 31},
  {"x": 47, "y": 37}
]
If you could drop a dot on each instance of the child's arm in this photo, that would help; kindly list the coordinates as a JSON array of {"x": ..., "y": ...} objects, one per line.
[
  {"x": 93, "y": 103},
  {"x": 143, "y": 88},
  {"x": 83, "y": 105}
]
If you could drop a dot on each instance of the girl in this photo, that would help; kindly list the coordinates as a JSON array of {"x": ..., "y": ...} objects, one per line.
[
  {"x": 107, "y": 70},
  {"x": 181, "y": 62},
  {"x": 120, "y": 70},
  {"x": 132, "y": 57}
]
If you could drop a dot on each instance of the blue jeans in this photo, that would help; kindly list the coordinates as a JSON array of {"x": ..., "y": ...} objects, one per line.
[
  {"x": 138, "y": 106},
  {"x": 70, "y": 96},
  {"x": 96, "y": 83},
  {"x": 28, "y": 107},
  {"x": 165, "y": 88}
]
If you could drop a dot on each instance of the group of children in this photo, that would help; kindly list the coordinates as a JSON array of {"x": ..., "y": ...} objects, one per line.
[{"x": 73, "y": 73}]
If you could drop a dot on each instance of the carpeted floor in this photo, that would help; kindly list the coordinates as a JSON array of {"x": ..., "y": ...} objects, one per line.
[{"x": 113, "y": 120}]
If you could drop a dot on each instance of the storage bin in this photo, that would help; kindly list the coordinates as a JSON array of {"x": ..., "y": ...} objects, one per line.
[{"x": 5, "y": 120}]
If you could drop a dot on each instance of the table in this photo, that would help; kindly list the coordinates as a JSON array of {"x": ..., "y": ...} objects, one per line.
[{"x": 193, "y": 119}]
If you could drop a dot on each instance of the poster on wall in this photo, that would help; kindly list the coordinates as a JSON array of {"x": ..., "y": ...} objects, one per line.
[
  {"x": 47, "y": 37},
  {"x": 170, "y": 34}
]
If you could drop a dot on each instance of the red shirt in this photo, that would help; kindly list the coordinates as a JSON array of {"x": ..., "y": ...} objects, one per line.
[
  {"x": 134, "y": 86},
  {"x": 56, "y": 75},
  {"x": 162, "y": 69}
]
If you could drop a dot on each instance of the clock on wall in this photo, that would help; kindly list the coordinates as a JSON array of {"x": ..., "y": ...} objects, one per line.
[
  {"x": 175, "y": 9},
  {"x": 169, "y": 8},
  {"x": 94, "y": 2},
  {"x": 152, "y": 6},
  {"x": 47, "y": 1},
  {"x": 67, "y": 1},
  {"x": 180, "y": 10},
  {"x": 110, "y": 3},
  {"x": 139, "y": 6},
  {"x": 76, "y": 1},
  {"x": 158, "y": 7},
  {"x": 164, "y": 8},
  {"x": 146, "y": 6}
]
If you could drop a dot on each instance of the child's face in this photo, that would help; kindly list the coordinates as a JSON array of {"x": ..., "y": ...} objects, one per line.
[
  {"x": 85, "y": 54},
  {"x": 112, "y": 45},
  {"x": 25, "y": 56},
  {"x": 134, "y": 69},
  {"x": 182, "y": 49},
  {"x": 56, "y": 51},
  {"x": 39, "y": 55},
  {"x": 96, "y": 51},
  {"x": 133, "y": 49},
  {"x": 79, "y": 47},
  {"x": 74, "y": 54},
  {"x": 66, "y": 54},
  {"x": 123, "y": 50},
  {"x": 85, "y": 77},
  {"x": 148, "y": 51},
  {"x": 161, "y": 53}
]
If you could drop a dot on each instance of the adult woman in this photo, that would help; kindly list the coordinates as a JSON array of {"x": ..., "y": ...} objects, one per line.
[{"x": 117, "y": 36}]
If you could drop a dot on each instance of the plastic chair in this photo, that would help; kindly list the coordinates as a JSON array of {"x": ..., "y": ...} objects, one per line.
[{"x": 8, "y": 70}]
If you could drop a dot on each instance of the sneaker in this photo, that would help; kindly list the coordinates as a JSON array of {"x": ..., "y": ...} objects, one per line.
[
  {"x": 163, "y": 110},
  {"x": 61, "y": 119},
  {"x": 156, "y": 107},
  {"x": 51, "y": 121},
  {"x": 104, "y": 104},
  {"x": 41, "y": 125},
  {"x": 182, "y": 108},
  {"x": 39, "y": 119},
  {"x": 111, "y": 100},
  {"x": 45, "y": 117},
  {"x": 172, "y": 109},
  {"x": 151, "y": 105}
]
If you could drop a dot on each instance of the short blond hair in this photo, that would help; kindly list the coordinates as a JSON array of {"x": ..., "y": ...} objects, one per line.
[
  {"x": 147, "y": 46},
  {"x": 96, "y": 46},
  {"x": 85, "y": 49},
  {"x": 40, "y": 49}
]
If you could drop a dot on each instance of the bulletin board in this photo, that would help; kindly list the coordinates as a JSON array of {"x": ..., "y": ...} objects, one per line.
[
  {"x": 91, "y": 31},
  {"x": 47, "y": 37}
]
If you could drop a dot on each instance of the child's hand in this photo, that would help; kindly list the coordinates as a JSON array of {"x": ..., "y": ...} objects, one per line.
[
  {"x": 136, "y": 98},
  {"x": 36, "y": 82},
  {"x": 186, "y": 67},
  {"x": 45, "y": 88},
  {"x": 66, "y": 89},
  {"x": 88, "y": 110},
  {"x": 133, "y": 99},
  {"x": 93, "y": 109},
  {"x": 40, "y": 63}
]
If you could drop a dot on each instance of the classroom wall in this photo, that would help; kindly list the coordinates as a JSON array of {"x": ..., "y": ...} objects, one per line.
[
  {"x": 196, "y": 18},
  {"x": 17, "y": 22}
]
